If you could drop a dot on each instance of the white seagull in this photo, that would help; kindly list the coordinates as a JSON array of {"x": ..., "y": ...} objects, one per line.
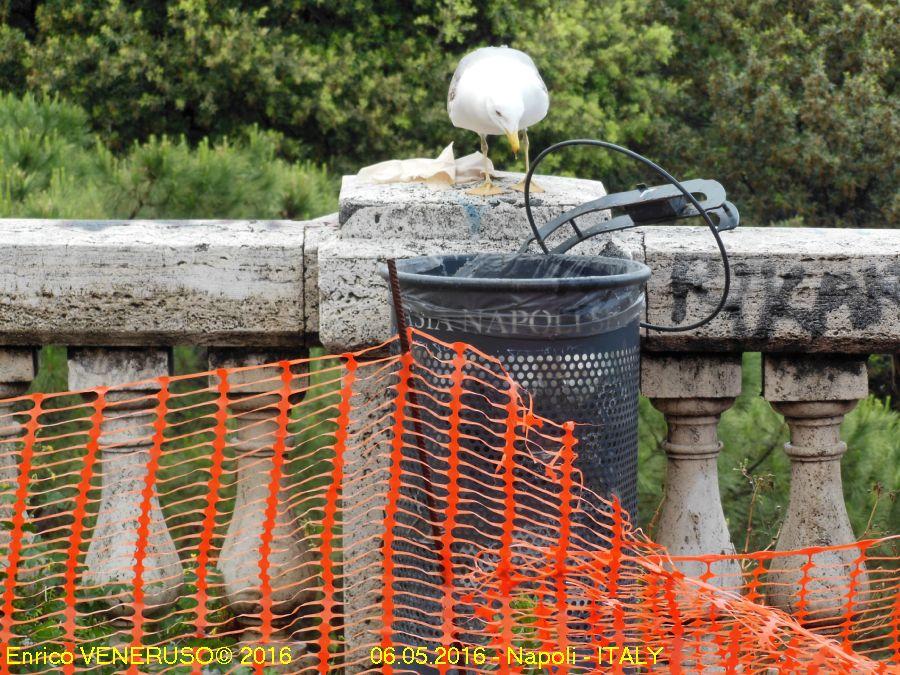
[{"x": 497, "y": 90}]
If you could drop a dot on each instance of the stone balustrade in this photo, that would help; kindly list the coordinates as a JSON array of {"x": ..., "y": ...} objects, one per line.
[
  {"x": 692, "y": 391},
  {"x": 816, "y": 302},
  {"x": 255, "y": 409},
  {"x": 124, "y": 458},
  {"x": 17, "y": 370}
]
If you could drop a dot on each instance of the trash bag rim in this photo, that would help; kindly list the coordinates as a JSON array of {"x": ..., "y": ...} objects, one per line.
[{"x": 636, "y": 274}]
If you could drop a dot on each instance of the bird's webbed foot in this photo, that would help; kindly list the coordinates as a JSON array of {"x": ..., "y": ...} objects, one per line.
[
  {"x": 534, "y": 187},
  {"x": 486, "y": 189}
]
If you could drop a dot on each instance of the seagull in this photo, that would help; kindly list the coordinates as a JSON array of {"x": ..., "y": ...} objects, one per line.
[{"x": 497, "y": 90}]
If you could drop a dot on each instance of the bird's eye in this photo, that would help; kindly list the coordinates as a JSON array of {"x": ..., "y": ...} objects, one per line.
[{"x": 498, "y": 113}]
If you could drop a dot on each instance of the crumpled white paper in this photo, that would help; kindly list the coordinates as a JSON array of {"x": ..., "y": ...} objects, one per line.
[{"x": 442, "y": 171}]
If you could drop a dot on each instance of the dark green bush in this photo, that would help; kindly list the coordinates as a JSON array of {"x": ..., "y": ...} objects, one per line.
[
  {"x": 792, "y": 105},
  {"x": 353, "y": 82},
  {"x": 13, "y": 48}
]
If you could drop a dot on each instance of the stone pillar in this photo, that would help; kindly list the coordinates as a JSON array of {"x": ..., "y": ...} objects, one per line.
[
  {"x": 17, "y": 370},
  {"x": 367, "y": 476},
  {"x": 126, "y": 436},
  {"x": 814, "y": 392},
  {"x": 253, "y": 401},
  {"x": 692, "y": 391}
]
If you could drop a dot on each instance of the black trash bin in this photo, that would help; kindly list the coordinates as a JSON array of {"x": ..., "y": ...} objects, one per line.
[{"x": 566, "y": 328}]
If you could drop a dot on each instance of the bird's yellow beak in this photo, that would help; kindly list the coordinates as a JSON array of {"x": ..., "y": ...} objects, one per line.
[{"x": 513, "y": 138}]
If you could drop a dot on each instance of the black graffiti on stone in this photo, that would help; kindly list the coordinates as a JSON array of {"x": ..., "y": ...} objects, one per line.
[{"x": 869, "y": 296}]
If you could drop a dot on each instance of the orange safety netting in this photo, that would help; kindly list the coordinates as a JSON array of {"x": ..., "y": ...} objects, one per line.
[{"x": 384, "y": 512}]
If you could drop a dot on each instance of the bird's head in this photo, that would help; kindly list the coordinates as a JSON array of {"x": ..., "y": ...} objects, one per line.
[{"x": 506, "y": 112}]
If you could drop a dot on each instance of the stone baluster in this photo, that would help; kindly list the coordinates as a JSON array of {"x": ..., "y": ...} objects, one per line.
[
  {"x": 368, "y": 473},
  {"x": 814, "y": 392},
  {"x": 692, "y": 391},
  {"x": 125, "y": 439},
  {"x": 17, "y": 370},
  {"x": 253, "y": 410}
]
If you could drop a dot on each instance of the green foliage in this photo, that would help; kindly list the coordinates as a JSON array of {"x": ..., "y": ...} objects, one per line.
[
  {"x": 792, "y": 105},
  {"x": 52, "y": 165},
  {"x": 40, "y": 140},
  {"x": 165, "y": 178},
  {"x": 50, "y": 162},
  {"x": 13, "y": 47},
  {"x": 872, "y": 470},
  {"x": 352, "y": 81}
]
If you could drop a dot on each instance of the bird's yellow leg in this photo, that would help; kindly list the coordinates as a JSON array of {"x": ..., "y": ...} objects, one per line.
[
  {"x": 520, "y": 186},
  {"x": 487, "y": 188}
]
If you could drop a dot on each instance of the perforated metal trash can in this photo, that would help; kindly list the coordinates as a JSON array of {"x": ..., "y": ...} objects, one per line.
[{"x": 566, "y": 327}]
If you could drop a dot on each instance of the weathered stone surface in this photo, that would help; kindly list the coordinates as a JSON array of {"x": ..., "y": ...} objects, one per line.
[
  {"x": 692, "y": 391},
  {"x": 111, "y": 555},
  {"x": 354, "y": 308},
  {"x": 126, "y": 433},
  {"x": 806, "y": 289},
  {"x": 416, "y": 211},
  {"x": 367, "y": 473},
  {"x": 816, "y": 516},
  {"x": 253, "y": 400},
  {"x": 691, "y": 375},
  {"x": 93, "y": 366},
  {"x": 821, "y": 290},
  {"x": 404, "y": 220},
  {"x": 254, "y": 283},
  {"x": 151, "y": 282},
  {"x": 253, "y": 380},
  {"x": 17, "y": 370},
  {"x": 292, "y": 562},
  {"x": 795, "y": 377},
  {"x": 814, "y": 393},
  {"x": 316, "y": 232},
  {"x": 17, "y": 366}
]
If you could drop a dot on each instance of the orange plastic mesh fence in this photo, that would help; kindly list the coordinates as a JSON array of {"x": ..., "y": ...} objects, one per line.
[{"x": 375, "y": 512}]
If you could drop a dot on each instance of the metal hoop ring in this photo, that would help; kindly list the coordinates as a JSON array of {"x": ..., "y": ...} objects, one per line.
[{"x": 671, "y": 179}]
